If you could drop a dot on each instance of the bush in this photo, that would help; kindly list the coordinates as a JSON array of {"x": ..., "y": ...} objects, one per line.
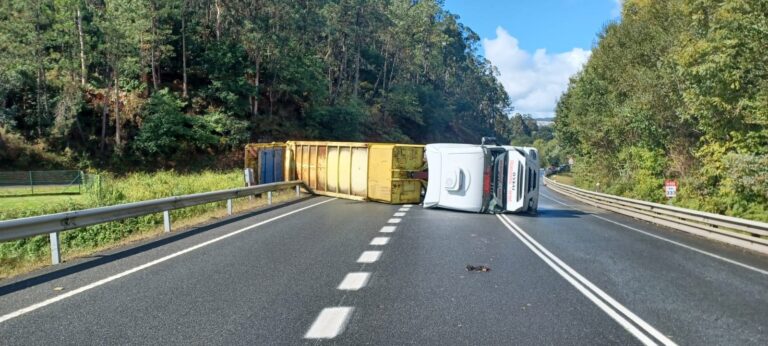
[
  {"x": 231, "y": 133},
  {"x": 17, "y": 153},
  {"x": 167, "y": 133}
]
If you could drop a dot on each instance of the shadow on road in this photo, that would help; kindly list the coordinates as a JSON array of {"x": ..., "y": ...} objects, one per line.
[
  {"x": 557, "y": 214},
  {"x": 55, "y": 272}
]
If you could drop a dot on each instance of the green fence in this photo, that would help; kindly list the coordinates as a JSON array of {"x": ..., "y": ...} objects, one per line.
[{"x": 15, "y": 183}]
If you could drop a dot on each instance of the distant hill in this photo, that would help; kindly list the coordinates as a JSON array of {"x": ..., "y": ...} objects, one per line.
[{"x": 545, "y": 121}]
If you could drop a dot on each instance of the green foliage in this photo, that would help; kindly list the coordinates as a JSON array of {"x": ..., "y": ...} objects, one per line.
[
  {"x": 14, "y": 151},
  {"x": 677, "y": 89},
  {"x": 521, "y": 129},
  {"x": 76, "y": 75},
  {"x": 231, "y": 133},
  {"x": 116, "y": 190},
  {"x": 226, "y": 65},
  {"x": 168, "y": 133},
  {"x": 641, "y": 172},
  {"x": 340, "y": 122}
]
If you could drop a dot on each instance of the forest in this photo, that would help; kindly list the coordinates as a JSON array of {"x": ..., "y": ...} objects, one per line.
[
  {"x": 677, "y": 89},
  {"x": 148, "y": 84}
]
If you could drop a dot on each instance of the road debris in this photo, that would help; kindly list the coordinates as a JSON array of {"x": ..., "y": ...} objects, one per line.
[{"x": 480, "y": 268}]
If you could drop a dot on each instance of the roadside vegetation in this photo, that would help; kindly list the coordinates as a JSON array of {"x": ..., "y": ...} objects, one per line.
[
  {"x": 128, "y": 85},
  {"x": 677, "y": 89},
  {"x": 20, "y": 255}
]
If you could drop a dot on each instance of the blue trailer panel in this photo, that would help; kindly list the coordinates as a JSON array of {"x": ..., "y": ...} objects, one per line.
[{"x": 267, "y": 162}]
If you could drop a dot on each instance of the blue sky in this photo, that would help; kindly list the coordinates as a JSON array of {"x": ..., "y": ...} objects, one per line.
[{"x": 536, "y": 44}]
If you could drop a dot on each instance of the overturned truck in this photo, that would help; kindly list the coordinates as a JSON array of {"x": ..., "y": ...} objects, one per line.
[
  {"x": 485, "y": 178},
  {"x": 482, "y": 178}
]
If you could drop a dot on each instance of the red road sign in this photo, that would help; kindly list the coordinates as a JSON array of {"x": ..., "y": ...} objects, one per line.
[{"x": 670, "y": 188}]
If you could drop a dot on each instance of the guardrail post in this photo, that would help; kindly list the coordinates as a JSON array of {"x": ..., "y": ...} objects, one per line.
[
  {"x": 167, "y": 221},
  {"x": 55, "y": 249},
  {"x": 229, "y": 206},
  {"x": 269, "y": 198},
  {"x": 298, "y": 191}
]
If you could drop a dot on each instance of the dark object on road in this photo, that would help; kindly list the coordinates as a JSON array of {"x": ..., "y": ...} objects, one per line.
[{"x": 480, "y": 268}]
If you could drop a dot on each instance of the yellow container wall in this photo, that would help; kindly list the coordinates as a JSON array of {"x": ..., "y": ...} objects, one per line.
[
  {"x": 389, "y": 166},
  {"x": 358, "y": 170},
  {"x": 333, "y": 170},
  {"x": 380, "y": 177},
  {"x": 359, "y": 174},
  {"x": 322, "y": 168}
]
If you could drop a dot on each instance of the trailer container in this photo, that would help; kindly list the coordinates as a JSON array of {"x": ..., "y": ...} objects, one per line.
[
  {"x": 390, "y": 167},
  {"x": 359, "y": 171},
  {"x": 267, "y": 161}
]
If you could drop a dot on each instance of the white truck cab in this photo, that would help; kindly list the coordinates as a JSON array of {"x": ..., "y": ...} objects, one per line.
[{"x": 482, "y": 178}]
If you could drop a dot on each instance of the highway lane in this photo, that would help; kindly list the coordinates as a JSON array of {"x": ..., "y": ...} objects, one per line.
[
  {"x": 422, "y": 292},
  {"x": 278, "y": 283},
  {"x": 694, "y": 297}
]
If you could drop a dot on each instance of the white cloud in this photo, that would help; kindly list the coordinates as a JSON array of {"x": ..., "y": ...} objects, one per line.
[
  {"x": 533, "y": 81},
  {"x": 616, "y": 11}
]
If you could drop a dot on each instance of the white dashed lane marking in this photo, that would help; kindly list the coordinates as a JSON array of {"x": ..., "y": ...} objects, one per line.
[
  {"x": 329, "y": 323},
  {"x": 380, "y": 241},
  {"x": 332, "y": 321},
  {"x": 369, "y": 257},
  {"x": 354, "y": 281},
  {"x": 388, "y": 229}
]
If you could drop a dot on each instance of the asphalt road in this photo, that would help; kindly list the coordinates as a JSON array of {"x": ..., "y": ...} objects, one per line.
[{"x": 342, "y": 272}]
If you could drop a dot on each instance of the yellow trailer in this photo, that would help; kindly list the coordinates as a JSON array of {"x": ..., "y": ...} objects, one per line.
[
  {"x": 360, "y": 171},
  {"x": 389, "y": 170}
]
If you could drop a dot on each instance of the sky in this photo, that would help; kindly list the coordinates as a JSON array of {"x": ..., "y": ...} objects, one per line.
[{"x": 536, "y": 45}]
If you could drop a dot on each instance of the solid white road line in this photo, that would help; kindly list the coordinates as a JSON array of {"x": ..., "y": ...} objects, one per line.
[
  {"x": 380, "y": 241},
  {"x": 764, "y": 272},
  {"x": 369, "y": 257},
  {"x": 354, "y": 281},
  {"x": 706, "y": 253},
  {"x": 329, "y": 323},
  {"x": 554, "y": 199},
  {"x": 607, "y": 304},
  {"x": 394, "y": 220},
  {"x": 388, "y": 229},
  {"x": 55, "y": 299},
  {"x": 399, "y": 214}
]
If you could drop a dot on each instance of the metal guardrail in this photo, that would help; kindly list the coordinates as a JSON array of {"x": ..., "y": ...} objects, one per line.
[
  {"x": 55, "y": 223},
  {"x": 732, "y": 230}
]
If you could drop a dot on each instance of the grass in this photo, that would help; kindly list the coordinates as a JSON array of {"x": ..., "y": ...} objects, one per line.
[
  {"x": 23, "y": 255},
  {"x": 22, "y": 191},
  {"x": 563, "y": 178},
  {"x": 30, "y": 204}
]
